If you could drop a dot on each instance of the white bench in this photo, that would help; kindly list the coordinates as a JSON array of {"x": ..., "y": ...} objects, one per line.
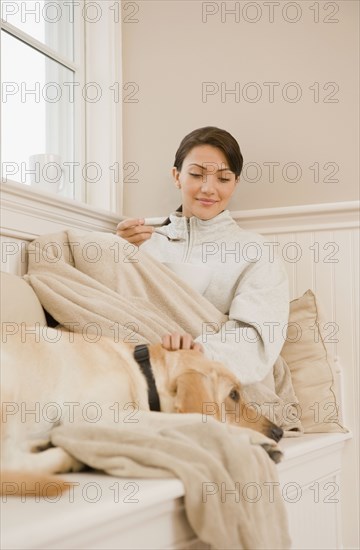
[{"x": 104, "y": 512}]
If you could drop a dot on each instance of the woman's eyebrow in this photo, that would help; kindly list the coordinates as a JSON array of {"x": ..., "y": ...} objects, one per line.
[{"x": 202, "y": 166}]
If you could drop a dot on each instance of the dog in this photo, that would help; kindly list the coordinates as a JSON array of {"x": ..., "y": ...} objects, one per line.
[{"x": 54, "y": 376}]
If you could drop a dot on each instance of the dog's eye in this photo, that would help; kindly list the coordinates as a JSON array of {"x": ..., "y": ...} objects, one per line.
[{"x": 234, "y": 395}]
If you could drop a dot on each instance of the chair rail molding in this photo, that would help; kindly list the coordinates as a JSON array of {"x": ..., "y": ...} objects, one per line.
[{"x": 26, "y": 213}]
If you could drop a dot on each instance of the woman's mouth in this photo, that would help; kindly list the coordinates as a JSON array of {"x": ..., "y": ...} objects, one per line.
[{"x": 206, "y": 202}]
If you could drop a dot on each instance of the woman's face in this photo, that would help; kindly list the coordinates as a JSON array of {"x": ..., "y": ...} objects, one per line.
[{"x": 206, "y": 182}]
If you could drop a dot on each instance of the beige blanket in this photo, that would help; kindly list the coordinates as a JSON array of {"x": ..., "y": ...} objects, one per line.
[
  {"x": 232, "y": 496},
  {"x": 275, "y": 398},
  {"x": 99, "y": 283}
]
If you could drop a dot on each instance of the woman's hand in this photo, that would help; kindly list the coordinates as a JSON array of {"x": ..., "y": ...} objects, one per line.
[
  {"x": 176, "y": 341},
  {"x": 134, "y": 231}
]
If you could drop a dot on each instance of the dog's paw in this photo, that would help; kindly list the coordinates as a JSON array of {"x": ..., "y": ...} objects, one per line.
[
  {"x": 273, "y": 451},
  {"x": 76, "y": 465},
  {"x": 65, "y": 461}
]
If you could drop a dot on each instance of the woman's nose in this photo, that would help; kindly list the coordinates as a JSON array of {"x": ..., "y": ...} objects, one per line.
[{"x": 207, "y": 183}]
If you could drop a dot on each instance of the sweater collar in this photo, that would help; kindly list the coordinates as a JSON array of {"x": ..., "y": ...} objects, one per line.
[
  {"x": 179, "y": 220},
  {"x": 179, "y": 225}
]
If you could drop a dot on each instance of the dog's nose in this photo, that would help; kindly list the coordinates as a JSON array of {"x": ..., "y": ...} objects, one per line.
[{"x": 276, "y": 433}]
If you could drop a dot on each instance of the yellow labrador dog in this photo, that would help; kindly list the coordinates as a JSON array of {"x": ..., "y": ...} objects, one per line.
[{"x": 54, "y": 377}]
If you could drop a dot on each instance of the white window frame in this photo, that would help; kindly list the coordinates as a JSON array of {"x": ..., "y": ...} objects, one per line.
[
  {"x": 97, "y": 127},
  {"x": 103, "y": 60}
]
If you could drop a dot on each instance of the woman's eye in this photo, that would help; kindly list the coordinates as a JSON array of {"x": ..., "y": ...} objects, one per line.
[
  {"x": 222, "y": 180},
  {"x": 234, "y": 395}
]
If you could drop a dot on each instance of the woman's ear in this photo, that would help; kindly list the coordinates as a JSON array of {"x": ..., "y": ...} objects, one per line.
[{"x": 176, "y": 176}]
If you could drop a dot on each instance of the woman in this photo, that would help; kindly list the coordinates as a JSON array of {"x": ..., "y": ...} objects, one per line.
[{"x": 248, "y": 282}]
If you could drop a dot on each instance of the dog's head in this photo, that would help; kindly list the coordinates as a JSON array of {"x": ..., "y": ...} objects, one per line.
[{"x": 187, "y": 382}]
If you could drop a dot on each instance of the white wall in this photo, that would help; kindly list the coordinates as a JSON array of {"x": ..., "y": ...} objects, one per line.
[{"x": 170, "y": 48}]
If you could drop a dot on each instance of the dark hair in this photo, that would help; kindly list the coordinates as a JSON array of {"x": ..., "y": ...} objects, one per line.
[{"x": 210, "y": 135}]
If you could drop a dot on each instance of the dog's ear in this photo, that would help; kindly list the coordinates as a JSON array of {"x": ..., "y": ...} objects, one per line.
[{"x": 193, "y": 393}]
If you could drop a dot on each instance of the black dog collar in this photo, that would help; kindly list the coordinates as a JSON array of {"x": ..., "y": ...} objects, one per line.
[{"x": 142, "y": 357}]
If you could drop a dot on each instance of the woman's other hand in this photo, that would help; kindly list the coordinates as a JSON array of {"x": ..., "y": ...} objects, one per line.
[
  {"x": 176, "y": 341},
  {"x": 134, "y": 231}
]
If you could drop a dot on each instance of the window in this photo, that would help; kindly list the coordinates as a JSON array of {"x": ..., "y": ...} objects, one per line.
[
  {"x": 60, "y": 124},
  {"x": 41, "y": 69}
]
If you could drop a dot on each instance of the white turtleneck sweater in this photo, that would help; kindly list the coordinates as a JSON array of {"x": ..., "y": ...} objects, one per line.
[{"x": 248, "y": 283}]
